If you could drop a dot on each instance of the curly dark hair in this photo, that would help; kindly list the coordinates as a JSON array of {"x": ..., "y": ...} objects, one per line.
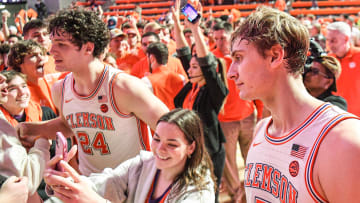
[
  {"x": 83, "y": 26},
  {"x": 19, "y": 50}
]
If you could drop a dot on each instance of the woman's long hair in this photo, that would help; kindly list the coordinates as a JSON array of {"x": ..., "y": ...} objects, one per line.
[{"x": 199, "y": 164}]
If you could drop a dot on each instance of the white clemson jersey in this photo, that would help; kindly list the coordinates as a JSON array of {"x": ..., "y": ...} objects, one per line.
[
  {"x": 279, "y": 169},
  {"x": 106, "y": 137}
]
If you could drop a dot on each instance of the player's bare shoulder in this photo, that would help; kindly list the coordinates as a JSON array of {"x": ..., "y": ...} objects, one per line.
[
  {"x": 338, "y": 162},
  {"x": 126, "y": 83},
  {"x": 344, "y": 135}
]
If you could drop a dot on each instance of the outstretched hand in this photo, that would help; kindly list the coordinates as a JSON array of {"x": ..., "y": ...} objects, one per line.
[
  {"x": 195, "y": 25},
  {"x": 69, "y": 186},
  {"x": 175, "y": 10}
]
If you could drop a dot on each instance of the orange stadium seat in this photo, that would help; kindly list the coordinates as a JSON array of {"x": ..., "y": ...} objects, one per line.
[{"x": 154, "y": 9}]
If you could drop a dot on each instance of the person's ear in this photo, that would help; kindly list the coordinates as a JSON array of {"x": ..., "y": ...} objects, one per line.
[
  {"x": 277, "y": 55},
  {"x": 191, "y": 148},
  {"x": 89, "y": 48},
  {"x": 328, "y": 83},
  {"x": 151, "y": 57}
]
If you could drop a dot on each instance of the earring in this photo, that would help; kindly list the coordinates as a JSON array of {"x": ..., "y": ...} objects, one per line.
[{"x": 189, "y": 156}]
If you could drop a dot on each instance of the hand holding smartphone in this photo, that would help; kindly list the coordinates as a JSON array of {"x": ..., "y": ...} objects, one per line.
[
  {"x": 191, "y": 13},
  {"x": 61, "y": 148}
]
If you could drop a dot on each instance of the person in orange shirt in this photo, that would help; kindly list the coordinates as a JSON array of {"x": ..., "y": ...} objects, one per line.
[
  {"x": 120, "y": 48},
  {"x": 338, "y": 40},
  {"x": 37, "y": 30},
  {"x": 141, "y": 68},
  {"x": 29, "y": 58},
  {"x": 165, "y": 84},
  {"x": 238, "y": 118}
]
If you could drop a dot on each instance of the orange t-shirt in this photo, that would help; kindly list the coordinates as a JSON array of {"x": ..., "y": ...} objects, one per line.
[
  {"x": 166, "y": 85},
  {"x": 127, "y": 62},
  {"x": 348, "y": 84},
  {"x": 142, "y": 67},
  {"x": 235, "y": 109},
  {"x": 191, "y": 96},
  {"x": 41, "y": 94},
  {"x": 141, "y": 54}
]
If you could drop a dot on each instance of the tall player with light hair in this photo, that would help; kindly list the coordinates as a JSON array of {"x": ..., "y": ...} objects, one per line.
[{"x": 307, "y": 150}]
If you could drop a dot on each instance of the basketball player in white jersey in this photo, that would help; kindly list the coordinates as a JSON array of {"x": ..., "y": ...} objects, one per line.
[
  {"x": 308, "y": 150},
  {"x": 102, "y": 106}
]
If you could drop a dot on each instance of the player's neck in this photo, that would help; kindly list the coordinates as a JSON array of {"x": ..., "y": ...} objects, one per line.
[
  {"x": 87, "y": 80},
  {"x": 290, "y": 106}
]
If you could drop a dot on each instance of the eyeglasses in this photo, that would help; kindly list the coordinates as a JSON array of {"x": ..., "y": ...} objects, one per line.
[{"x": 316, "y": 71}]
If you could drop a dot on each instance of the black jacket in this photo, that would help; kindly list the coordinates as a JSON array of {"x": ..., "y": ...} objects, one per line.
[
  {"x": 327, "y": 96},
  {"x": 209, "y": 100}
]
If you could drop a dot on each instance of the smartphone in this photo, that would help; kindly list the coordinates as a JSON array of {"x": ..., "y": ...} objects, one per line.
[
  {"x": 61, "y": 148},
  {"x": 191, "y": 13}
]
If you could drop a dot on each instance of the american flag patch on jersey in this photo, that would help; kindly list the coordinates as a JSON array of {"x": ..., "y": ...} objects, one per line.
[
  {"x": 102, "y": 99},
  {"x": 298, "y": 151}
]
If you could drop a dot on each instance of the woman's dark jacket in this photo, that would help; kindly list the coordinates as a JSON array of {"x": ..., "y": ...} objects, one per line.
[{"x": 209, "y": 100}]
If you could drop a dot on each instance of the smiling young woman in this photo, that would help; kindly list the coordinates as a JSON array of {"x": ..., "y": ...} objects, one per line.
[{"x": 178, "y": 170}]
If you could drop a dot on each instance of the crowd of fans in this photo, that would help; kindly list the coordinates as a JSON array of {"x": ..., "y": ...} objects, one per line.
[{"x": 173, "y": 64}]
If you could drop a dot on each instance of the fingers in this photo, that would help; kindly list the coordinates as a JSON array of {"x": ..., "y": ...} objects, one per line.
[
  {"x": 13, "y": 179},
  {"x": 60, "y": 195},
  {"x": 72, "y": 172},
  {"x": 23, "y": 180},
  {"x": 200, "y": 8},
  {"x": 177, "y": 5},
  {"x": 71, "y": 153},
  {"x": 52, "y": 163},
  {"x": 56, "y": 178}
]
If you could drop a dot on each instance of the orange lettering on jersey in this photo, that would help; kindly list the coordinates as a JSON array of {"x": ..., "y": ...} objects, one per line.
[
  {"x": 269, "y": 179},
  {"x": 100, "y": 122},
  {"x": 248, "y": 171},
  {"x": 109, "y": 123},
  {"x": 275, "y": 180},
  {"x": 90, "y": 120},
  {"x": 283, "y": 189},
  {"x": 293, "y": 194},
  {"x": 86, "y": 122},
  {"x": 78, "y": 120},
  {"x": 70, "y": 120},
  {"x": 93, "y": 120},
  {"x": 84, "y": 142},
  {"x": 266, "y": 178},
  {"x": 255, "y": 182}
]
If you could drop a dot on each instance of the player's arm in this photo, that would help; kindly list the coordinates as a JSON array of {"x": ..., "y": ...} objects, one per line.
[
  {"x": 132, "y": 96},
  {"x": 337, "y": 167},
  {"x": 47, "y": 129}
]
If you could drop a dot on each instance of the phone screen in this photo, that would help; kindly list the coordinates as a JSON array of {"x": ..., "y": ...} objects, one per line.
[{"x": 190, "y": 12}]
